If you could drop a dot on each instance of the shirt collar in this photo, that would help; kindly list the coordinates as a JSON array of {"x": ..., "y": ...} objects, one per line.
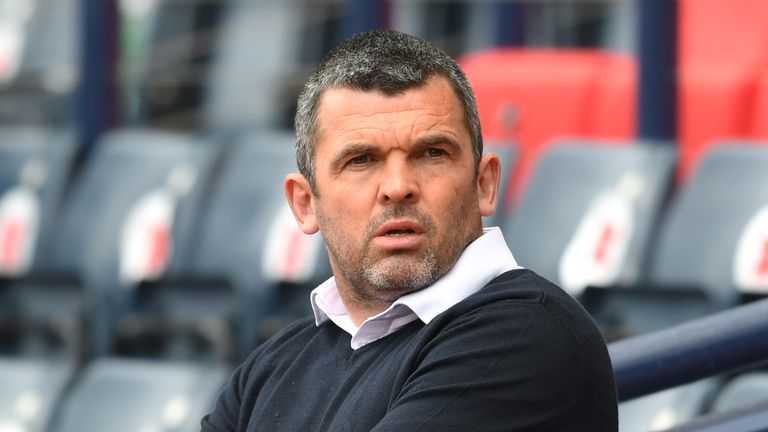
[{"x": 483, "y": 260}]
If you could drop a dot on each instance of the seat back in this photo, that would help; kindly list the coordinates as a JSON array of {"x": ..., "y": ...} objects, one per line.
[
  {"x": 30, "y": 390},
  {"x": 135, "y": 178},
  {"x": 130, "y": 395},
  {"x": 588, "y": 212},
  {"x": 716, "y": 233},
  {"x": 718, "y": 73},
  {"x": 742, "y": 391},
  {"x": 39, "y": 62},
  {"x": 123, "y": 220},
  {"x": 34, "y": 163}
]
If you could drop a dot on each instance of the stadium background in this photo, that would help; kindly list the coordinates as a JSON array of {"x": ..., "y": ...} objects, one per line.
[{"x": 145, "y": 248}]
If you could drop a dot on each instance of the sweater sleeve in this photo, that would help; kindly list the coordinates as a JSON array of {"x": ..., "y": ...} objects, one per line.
[
  {"x": 505, "y": 367},
  {"x": 225, "y": 414}
]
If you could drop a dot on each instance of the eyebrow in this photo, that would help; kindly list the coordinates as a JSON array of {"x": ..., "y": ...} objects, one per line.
[
  {"x": 422, "y": 143},
  {"x": 352, "y": 149},
  {"x": 437, "y": 139}
]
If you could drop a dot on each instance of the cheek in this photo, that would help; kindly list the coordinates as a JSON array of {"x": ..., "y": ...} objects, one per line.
[{"x": 342, "y": 218}]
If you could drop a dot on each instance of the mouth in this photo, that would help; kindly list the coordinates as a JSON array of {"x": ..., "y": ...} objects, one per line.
[
  {"x": 399, "y": 235},
  {"x": 399, "y": 228}
]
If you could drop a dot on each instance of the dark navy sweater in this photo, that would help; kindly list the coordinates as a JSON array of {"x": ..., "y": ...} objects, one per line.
[{"x": 518, "y": 355}]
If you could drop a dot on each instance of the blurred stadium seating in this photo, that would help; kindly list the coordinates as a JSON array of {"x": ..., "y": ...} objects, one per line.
[{"x": 137, "y": 270}]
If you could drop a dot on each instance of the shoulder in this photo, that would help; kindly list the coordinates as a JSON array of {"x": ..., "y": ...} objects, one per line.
[
  {"x": 520, "y": 312},
  {"x": 531, "y": 297},
  {"x": 526, "y": 334}
]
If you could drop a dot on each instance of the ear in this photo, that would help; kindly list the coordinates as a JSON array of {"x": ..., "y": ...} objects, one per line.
[
  {"x": 302, "y": 202},
  {"x": 488, "y": 178}
]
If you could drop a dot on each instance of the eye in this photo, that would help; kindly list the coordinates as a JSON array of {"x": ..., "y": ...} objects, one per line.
[
  {"x": 435, "y": 152},
  {"x": 360, "y": 160}
]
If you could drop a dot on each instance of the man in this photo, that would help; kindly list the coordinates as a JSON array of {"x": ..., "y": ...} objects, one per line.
[{"x": 428, "y": 323}]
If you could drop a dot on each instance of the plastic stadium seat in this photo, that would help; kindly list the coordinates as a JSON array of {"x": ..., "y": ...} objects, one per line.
[
  {"x": 39, "y": 81},
  {"x": 30, "y": 390},
  {"x": 668, "y": 408},
  {"x": 250, "y": 265},
  {"x": 714, "y": 104},
  {"x": 535, "y": 96},
  {"x": 117, "y": 228},
  {"x": 716, "y": 234},
  {"x": 719, "y": 71},
  {"x": 712, "y": 240},
  {"x": 742, "y": 43},
  {"x": 710, "y": 250},
  {"x": 588, "y": 212},
  {"x": 131, "y": 396},
  {"x": 759, "y": 125},
  {"x": 34, "y": 164},
  {"x": 742, "y": 391}
]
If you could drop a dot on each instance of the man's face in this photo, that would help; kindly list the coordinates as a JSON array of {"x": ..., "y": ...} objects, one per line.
[{"x": 397, "y": 192}]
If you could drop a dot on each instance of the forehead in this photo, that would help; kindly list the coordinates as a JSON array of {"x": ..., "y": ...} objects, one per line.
[{"x": 430, "y": 107}]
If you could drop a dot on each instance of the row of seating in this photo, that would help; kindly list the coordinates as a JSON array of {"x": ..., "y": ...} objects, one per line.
[
  {"x": 642, "y": 253},
  {"x": 175, "y": 248},
  {"x": 140, "y": 277}
]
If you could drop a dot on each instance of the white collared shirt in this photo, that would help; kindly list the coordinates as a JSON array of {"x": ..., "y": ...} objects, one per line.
[{"x": 483, "y": 260}]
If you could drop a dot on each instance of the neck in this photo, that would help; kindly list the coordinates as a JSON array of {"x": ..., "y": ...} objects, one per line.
[{"x": 360, "y": 309}]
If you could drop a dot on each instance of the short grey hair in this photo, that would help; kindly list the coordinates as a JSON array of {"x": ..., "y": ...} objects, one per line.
[{"x": 384, "y": 61}]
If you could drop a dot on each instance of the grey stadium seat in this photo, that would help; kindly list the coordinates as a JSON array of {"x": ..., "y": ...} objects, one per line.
[
  {"x": 570, "y": 207},
  {"x": 34, "y": 163},
  {"x": 699, "y": 240},
  {"x": 30, "y": 390},
  {"x": 742, "y": 391},
  {"x": 131, "y": 396},
  {"x": 235, "y": 264},
  {"x": 692, "y": 272},
  {"x": 37, "y": 160},
  {"x": 84, "y": 271}
]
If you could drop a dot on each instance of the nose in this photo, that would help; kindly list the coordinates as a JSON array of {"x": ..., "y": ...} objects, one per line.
[{"x": 399, "y": 183}]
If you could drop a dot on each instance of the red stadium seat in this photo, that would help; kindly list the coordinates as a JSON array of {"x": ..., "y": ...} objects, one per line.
[
  {"x": 723, "y": 32},
  {"x": 758, "y": 128},
  {"x": 723, "y": 50},
  {"x": 714, "y": 105},
  {"x": 533, "y": 96}
]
